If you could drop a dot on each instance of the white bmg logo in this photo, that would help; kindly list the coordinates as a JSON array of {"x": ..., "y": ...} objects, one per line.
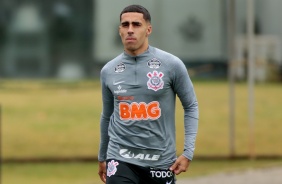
[{"x": 161, "y": 174}]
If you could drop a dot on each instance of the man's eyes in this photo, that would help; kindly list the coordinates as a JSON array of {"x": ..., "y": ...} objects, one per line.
[
  {"x": 135, "y": 24},
  {"x": 124, "y": 24}
]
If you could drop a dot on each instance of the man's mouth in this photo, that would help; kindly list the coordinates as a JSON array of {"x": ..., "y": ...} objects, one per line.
[{"x": 130, "y": 39}]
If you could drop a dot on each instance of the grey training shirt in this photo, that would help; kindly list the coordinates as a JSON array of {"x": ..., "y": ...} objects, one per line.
[{"x": 138, "y": 118}]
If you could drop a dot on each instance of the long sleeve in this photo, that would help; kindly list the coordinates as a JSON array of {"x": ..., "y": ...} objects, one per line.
[
  {"x": 107, "y": 111},
  {"x": 185, "y": 91}
]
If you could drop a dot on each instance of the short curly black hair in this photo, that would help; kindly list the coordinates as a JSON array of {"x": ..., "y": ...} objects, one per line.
[{"x": 138, "y": 9}]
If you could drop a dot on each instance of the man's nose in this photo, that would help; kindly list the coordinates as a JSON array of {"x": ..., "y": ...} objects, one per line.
[{"x": 130, "y": 29}]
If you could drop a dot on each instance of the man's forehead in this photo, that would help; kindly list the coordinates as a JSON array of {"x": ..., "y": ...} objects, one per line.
[{"x": 132, "y": 17}]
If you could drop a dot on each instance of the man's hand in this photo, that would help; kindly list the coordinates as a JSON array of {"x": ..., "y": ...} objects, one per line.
[
  {"x": 102, "y": 171},
  {"x": 180, "y": 165}
]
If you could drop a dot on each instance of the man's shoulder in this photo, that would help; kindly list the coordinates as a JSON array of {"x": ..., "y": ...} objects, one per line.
[
  {"x": 163, "y": 54},
  {"x": 167, "y": 58},
  {"x": 113, "y": 62}
]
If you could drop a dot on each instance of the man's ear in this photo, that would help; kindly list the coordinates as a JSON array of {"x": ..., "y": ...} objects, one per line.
[
  {"x": 149, "y": 30},
  {"x": 119, "y": 31}
]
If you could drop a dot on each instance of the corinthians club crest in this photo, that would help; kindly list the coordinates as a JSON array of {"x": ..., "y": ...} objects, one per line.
[
  {"x": 155, "y": 81},
  {"x": 112, "y": 168}
]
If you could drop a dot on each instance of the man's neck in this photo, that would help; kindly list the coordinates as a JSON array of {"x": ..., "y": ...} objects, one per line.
[{"x": 137, "y": 52}]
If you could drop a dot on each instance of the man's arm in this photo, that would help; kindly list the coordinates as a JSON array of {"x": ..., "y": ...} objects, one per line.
[
  {"x": 180, "y": 165},
  {"x": 102, "y": 171},
  {"x": 108, "y": 106},
  {"x": 185, "y": 91}
]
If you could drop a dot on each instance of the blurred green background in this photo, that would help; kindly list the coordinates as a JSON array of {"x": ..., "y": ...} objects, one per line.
[
  {"x": 61, "y": 119},
  {"x": 46, "y": 119}
]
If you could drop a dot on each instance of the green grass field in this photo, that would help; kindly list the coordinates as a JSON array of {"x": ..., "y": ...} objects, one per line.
[{"x": 61, "y": 119}]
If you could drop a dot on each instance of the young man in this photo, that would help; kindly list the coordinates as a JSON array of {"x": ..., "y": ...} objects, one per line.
[{"x": 139, "y": 89}]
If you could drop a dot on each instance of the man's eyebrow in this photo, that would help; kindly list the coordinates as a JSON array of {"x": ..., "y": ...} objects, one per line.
[
  {"x": 136, "y": 22},
  {"x": 133, "y": 22},
  {"x": 124, "y": 22}
]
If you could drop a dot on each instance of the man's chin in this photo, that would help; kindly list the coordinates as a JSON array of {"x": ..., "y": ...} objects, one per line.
[{"x": 131, "y": 48}]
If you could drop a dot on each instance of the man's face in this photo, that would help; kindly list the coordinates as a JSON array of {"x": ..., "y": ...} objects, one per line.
[{"x": 134, "y": 32}]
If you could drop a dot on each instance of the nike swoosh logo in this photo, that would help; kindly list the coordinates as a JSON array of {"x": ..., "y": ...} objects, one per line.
[
  {"x": 169, "y": 182},
  {"x": 116, "y": 83}
]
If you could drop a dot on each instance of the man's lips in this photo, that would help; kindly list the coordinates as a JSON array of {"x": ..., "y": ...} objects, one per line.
[{"x": 130, "y": 39}]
